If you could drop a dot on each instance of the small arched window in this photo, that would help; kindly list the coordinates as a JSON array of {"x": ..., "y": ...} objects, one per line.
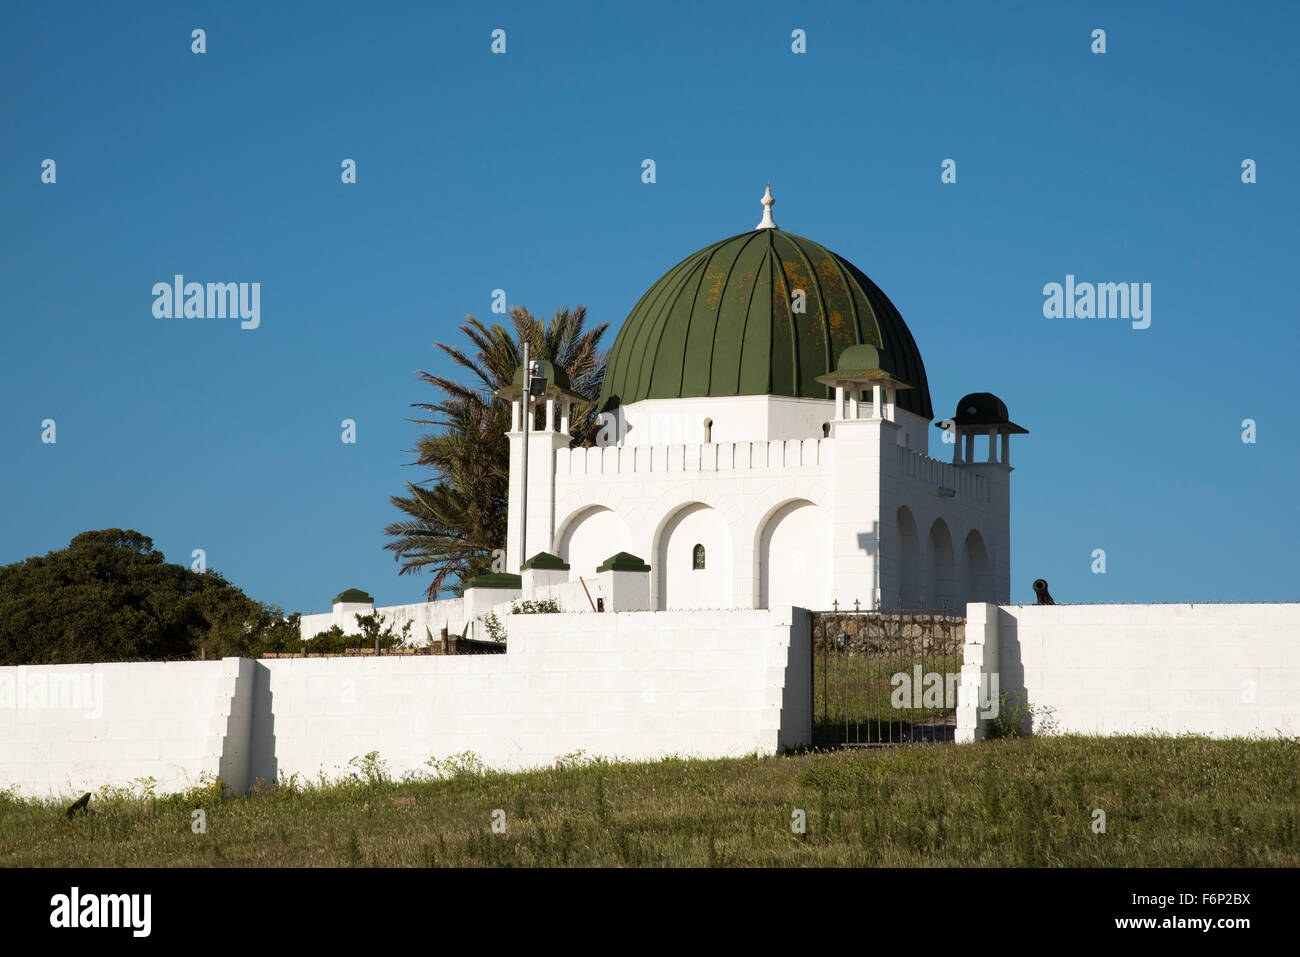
[
  {"x": 826, "y": 430},
  {"x": 708, "y": 431},
  {"x": 697, "y": 558}
]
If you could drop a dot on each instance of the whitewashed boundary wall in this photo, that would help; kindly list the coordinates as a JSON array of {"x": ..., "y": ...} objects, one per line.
[
  {"x": 1218, "y": 670},
  {"x": 173, "y": 721},
  {"x": 636, "y": 685},
  {"x": 433, "y": 615}
]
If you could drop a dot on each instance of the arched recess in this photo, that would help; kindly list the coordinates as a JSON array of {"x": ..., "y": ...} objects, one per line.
[
  {"x": 975, "y": 569},
  {"x": 911, "y": 582},
  {"x": 590, "y": 537},
  {"x": 941, "y": 567},
  {"x": 678, "y": 583},
  {"x": 794, "y": 558}
]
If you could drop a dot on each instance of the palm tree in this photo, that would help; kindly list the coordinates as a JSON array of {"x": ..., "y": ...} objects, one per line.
[{"x": 457, "y": 517}]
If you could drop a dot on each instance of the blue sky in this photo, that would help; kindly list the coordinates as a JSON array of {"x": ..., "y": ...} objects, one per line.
[{"x": 522, "y": 171}]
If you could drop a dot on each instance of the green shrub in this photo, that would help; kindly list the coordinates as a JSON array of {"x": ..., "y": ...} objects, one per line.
[
  {"x": 333, "y": 641},
  {"x": 496, "y": 631},
  {"x": 545, "y": 606},
  {"x": 466, "y": 764},
  {"x": 370, "y": 770}
]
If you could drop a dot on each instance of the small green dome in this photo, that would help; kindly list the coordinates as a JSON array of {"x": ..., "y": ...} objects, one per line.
[
  {"x": 981, "y": 408},
  {"x": 554, "y": 376},
  {"x": 984, "y": 409},
  {"x": 723, "y": 322},
  {"x": 353, "y": 596},
  {"x": 861, "y": 356}
]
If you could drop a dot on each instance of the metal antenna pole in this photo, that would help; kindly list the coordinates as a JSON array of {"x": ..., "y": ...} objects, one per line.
[{"x": 528, "y": 415}]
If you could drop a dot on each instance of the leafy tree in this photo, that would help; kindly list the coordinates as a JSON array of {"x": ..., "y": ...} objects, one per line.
[
  {"x": 373, "y": 629},
  {"x": 333, "y": 640},
  {"x": 110, "y": 596},
  {"x": 457, "y": 517}
]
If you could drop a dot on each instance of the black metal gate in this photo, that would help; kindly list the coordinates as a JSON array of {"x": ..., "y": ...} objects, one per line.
[{"x": 885, "y": 678}]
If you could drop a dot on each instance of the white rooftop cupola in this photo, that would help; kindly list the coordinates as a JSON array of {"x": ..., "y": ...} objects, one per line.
[
  {"x": 981, "y": 413},
  {"x": 768, "y": 203}
]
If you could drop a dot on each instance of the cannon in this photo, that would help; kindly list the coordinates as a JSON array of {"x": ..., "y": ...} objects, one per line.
[{"x": 1040, "y": 589}]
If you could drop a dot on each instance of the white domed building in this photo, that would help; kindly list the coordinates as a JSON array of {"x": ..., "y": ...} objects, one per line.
[{"x": 766, "y": 419}]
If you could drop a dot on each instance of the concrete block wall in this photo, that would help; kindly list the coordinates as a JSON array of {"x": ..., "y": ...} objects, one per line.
[
  {"x": 633, "y": 685},
  {"x": 1219, "y": 670},
  {"x": 570, "y": 595},
  {"x": 166, "y": 720},
  {"x": 980, "y": 682}
]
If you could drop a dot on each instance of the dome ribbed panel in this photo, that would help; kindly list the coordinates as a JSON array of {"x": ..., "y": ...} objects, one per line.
[
  {"x": 899, "y": 353},
  {"x": 722, "y": 322}
]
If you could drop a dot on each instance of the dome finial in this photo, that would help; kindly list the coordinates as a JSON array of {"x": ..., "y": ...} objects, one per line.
[{"x": 768, "y": 203}]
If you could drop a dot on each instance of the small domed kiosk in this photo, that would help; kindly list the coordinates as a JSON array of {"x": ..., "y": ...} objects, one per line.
[{"x": 981, "y": 413}]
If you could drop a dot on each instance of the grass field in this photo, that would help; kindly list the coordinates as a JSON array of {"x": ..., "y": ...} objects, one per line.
[{"x": 1168, "y": 801}]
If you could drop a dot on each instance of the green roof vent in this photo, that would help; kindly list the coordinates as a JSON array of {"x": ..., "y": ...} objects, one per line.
[
  {"x": 545, "y": 561},
  {"x": 496, "y": 580},
  {"x": 623, "y": 562}
]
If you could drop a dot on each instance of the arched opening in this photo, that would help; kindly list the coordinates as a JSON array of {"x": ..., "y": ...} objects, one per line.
[
  {"x": 910, "y": 582},
  {"x": 975, "y": 569},
  {"x": 678, "y": 583},
  {"x": 941, "y": 578},
  {"x": 589, "y": 538},
  {"x": 794, "y": 552},
  {"x": 826, "y": 430},
  {"x": 697, "y": 558},
  {"x": 708, "y": 431}
]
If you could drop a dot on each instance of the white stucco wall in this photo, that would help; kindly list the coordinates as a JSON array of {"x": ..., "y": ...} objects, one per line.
[
  {"x": 634, "y": 685},
  {"x": 432, "y": 615},
  {"x": 682, "y": 584},
  {"x": 980, "y": 503},
  {"x": 1221, "y": 670},
  {"x": 585, "y": 504},
  {"x": 741, "y": 418},
  {"x": 795, "y": 565},
  {"x": 590, "y": 538},
  {"x": 165, "y": 720},
  {"x": 632, "y": 499}
]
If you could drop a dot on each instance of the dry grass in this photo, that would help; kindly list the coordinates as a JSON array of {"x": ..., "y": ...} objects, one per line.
[{"x": 1185, "y": 801}]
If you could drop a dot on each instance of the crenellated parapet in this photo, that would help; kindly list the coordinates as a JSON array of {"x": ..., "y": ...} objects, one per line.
[
  {"x": 774, "y": 454},
  {"x": 948, "y": 479}
]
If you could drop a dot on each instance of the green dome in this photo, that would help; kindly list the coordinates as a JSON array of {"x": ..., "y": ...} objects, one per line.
[
  {"x": 859, "y": 358},
  {"x": 722, "y": 322},
  {"x": 984, "y": 408},
  {"x": 554, "y": 375}
]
